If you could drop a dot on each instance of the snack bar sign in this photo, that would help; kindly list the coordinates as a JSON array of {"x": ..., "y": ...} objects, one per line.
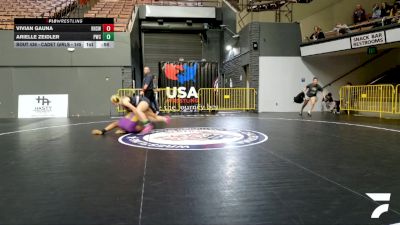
[{"x": 370, "y": 39}]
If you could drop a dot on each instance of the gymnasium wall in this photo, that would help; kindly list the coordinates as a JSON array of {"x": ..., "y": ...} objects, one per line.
[
  {"x": 245, "y": 17},
  {"x": 331, "y": 67},
  {"x": 136, "y": 53},
  {"x": 300, "y": 11},
  {"x": 242, "y": 55},
  {"x": 228, "y": 15},
  {"x": 279, "y": 39},
  {"x": 211, "y": 50},
  {"x": 279, "y": 83},
  {"x": 89, "y": 76},
  {"x": 273, "y": 39}
]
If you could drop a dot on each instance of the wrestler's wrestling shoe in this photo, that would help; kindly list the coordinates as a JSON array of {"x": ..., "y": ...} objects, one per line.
[
  {"x": 147, "y": 129},
  {"x": 167, "y": 120}
]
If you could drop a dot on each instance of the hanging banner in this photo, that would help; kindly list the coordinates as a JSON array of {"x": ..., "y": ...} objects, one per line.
[
  {"x": 42, "y": 106},
  {"x": 182, "y": 81}
]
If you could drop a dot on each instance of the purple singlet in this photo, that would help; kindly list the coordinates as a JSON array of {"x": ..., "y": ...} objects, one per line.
[{"x": 130, "y": 123}]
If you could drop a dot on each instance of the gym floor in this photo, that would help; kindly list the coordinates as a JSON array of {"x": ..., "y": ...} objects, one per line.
[{"x": 309, "y": 171}]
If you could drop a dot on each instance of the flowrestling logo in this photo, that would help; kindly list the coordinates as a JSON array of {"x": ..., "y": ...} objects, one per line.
[
  {"x": 196, "y": 138},
  {"x": 379, "y": 197}
]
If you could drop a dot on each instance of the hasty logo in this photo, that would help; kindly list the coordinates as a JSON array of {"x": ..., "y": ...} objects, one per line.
[
  {"x": 181, "y": 72},
  {"x": 43, "y": 100},
  {"x": 43, "y": 105},
  {"x": 194, "y": 138}
]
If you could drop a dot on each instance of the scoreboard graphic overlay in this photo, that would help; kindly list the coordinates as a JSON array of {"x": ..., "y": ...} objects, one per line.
[{"x": 64, "y": 33}]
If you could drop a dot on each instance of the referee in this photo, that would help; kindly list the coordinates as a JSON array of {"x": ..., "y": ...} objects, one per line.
[{"x": 148, "y": 89}]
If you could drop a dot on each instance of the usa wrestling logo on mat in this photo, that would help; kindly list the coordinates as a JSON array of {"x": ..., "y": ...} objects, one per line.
[{"x": 196, "y": 138}]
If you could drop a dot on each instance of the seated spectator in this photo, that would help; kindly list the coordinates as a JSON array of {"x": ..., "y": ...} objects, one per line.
[
  {"x": 318, "y": 34},
  {"x": 394, "y": 11},
  {"x": 359, "y": 15},
  {"x": 376, "y": 11},
  {"x": 328, "y": 104},
  {"x": 385, "y": 9},
  {"x": 341, "y": 29}
]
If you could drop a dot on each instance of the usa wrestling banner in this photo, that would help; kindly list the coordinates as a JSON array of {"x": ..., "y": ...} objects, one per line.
[{"x": 182, "y": 81}]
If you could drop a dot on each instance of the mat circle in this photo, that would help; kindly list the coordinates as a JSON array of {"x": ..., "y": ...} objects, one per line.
[{"x": 194, "y": 138}]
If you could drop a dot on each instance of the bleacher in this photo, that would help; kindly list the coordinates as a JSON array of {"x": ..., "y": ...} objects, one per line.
[
  {"x": 188, "y": 3},
  {"x": 120, "y": 10},
  {"x": 10, "y": 9}
]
